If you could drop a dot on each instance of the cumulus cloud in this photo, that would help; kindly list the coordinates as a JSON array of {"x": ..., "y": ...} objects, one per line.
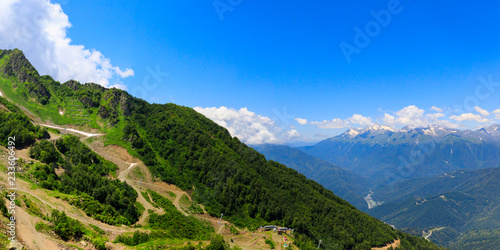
[
  {"x": 411, "y": 115},
  {"x": 293, "y": 134},
  {"x": 248, "y": 126},
  {"x": 481, "y": 111},
  {"x": 332, "y": 124},
  {"x": 361, "y": 120},
  {"x": 469, "y": 117},
  {"x": 497, "y": 114},
  {"x": 301, "y": 121},
  {"x": 389, "y": 120},
  {"x": 435, "y": 116},
  {"x": 355, "y": 119},
  {"x": 434, "y": 108},
  {"x": 40, "y": 29}
]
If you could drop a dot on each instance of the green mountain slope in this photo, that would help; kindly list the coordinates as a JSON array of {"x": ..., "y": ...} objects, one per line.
[
  {"x": 184, "y": 148},
  {"x": 343, "y": 183}
]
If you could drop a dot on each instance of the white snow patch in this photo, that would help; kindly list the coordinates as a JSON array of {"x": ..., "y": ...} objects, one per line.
[{"x": 72, "y": 130}]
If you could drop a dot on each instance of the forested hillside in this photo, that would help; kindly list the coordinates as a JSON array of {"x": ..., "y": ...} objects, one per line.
[
  {"x": 181, "y": 147},
  {"x": 463, "y": 204},
  {"x": 343, "y": 183}
]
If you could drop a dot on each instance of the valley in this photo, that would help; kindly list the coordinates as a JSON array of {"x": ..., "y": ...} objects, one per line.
[
  {"x": 246, "y": 125},
  {"x": 118, "y": 179},
  {"x": 447, "y": 186},
  {"x": 370, "y": 201}
]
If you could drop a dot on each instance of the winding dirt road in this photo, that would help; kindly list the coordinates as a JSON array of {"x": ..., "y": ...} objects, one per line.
[{"x": 71, "y": 130}]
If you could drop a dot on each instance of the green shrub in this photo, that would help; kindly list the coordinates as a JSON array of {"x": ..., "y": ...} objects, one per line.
[
  {"x": 42, "y": 227},
  {"x": 233, "y": 230},
  {"x": 270, "y": 243},
  {"x": 3, "y": 208},
  {"x": 98, "y": 229},
  {"x": 218, "y": 243},
  {"x": 133, "y": 240},
  {"x": 66, "y": 227}
]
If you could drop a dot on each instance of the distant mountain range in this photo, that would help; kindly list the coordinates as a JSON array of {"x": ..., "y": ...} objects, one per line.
[
  {"x": 421, "y": 179},
  {"x": 177, "y": 145},
  {"x": 385, "y": 155}
]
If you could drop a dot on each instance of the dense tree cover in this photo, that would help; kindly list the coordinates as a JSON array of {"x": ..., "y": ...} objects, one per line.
[
  {"x": 175, "y": 224},
  {"x": 183, "y": 147},
  {"x": 343, "y": 183},
  {"x": 460, "y": 201},
  {"x": 18, "y": 125},
  {"x": 66, "y": 227},
  {"x": 45, "y": 152},
  {"x": 484, "y": 239},
  {"x": 444, "y": 236},
  {"x": 86, "y": 174}
]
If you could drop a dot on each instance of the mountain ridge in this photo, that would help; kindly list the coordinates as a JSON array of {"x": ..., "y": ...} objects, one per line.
[
  {"x": 390, "y": 155},
  {"x": 182, "y": 147},
  {"x": 491, "y": 133}
]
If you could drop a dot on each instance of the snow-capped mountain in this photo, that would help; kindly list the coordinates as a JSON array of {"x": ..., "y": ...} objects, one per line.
[
  {"x": 491, "y": 133},
  {"x": 384, "y": 154}
]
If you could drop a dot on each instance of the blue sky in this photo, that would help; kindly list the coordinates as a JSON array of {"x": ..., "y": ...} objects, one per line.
[{"x": 283, "y": 60}]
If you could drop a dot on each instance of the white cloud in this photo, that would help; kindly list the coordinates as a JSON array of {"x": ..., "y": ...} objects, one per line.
[
  {"x": 293, "y": 134},
  {"x": 361, "y": 120},
  {"x": 332, "y": 124},
  {"x": 414, "y": 116},
  {"x": 301, "y": 121},
  {"x": 435, "y": 116},
  {"x": 248, "y": 126},
  {"x": 355, "y": 119},
  {"x": 40, "y": 29},
  {"x": 411, "y": 115},
  {"x": 469, "y": 117},
  {"x": 497, "y": 114},
  {"x": 434, "y": 108},
  {"x": 481, "y": 111},
  {"x": 389, "y": 120}
]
